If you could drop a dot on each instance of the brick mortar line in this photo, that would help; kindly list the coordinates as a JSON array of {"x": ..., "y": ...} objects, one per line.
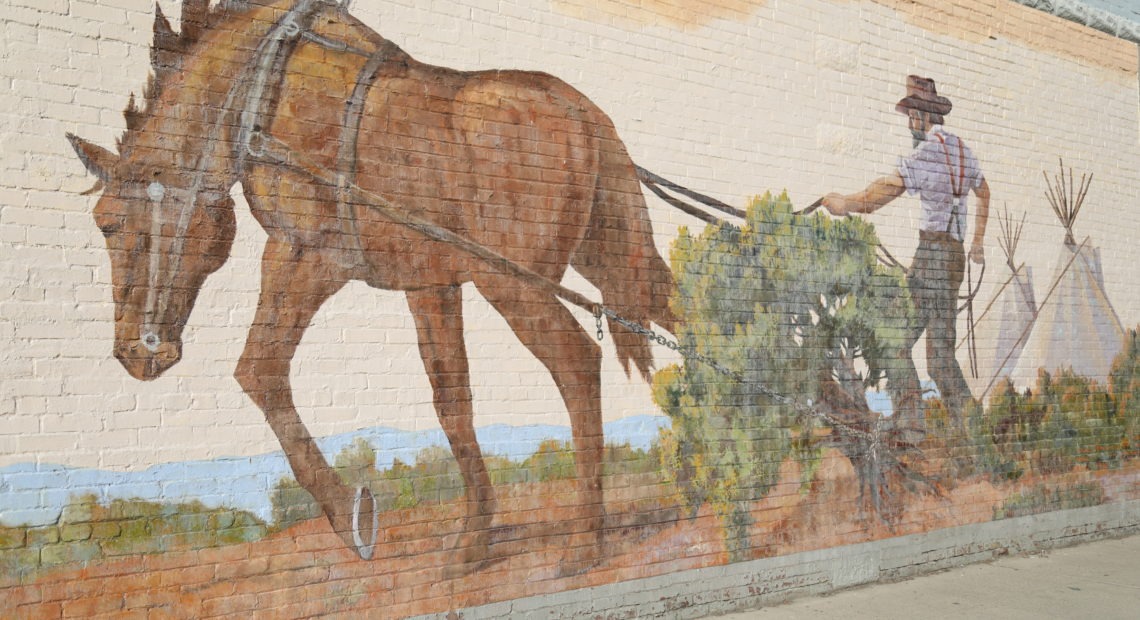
[{"x": 700, "y": 592}]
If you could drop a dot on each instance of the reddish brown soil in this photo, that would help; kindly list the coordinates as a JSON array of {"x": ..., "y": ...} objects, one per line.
[{"x": 306, "y": 571}]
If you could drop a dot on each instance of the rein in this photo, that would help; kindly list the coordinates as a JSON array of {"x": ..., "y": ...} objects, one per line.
[
  {"x": 269, "y": 61},
  {"x": 265, "y": 71},
  {"x": 274, "y": 151}
]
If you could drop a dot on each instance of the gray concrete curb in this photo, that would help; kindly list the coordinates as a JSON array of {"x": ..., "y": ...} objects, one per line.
[{"x": 745, "y": 585}]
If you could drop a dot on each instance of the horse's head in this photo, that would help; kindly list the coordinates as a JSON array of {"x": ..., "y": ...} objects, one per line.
[
  {"x": 166, "y": 231},
  {"x": 165, "y": 212}
]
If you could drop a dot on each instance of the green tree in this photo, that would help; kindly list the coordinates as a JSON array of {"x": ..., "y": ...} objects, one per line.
[
  {"x": 799, "y": 305},
  {"x": 356, "y": 463},
  {"x": 435, "y": 478},
  {"x": 1064, "y": 421},
  {"x": 554, "y": 460},
  {"x": 292, "y": 504}
]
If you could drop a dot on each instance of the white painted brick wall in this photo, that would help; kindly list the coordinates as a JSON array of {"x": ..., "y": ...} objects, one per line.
[
  {"x": 767, "y": 96},
  {"x": 788, "y": 96}
]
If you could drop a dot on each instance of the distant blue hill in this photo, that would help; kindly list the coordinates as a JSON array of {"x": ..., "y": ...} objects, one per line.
[{"x": 35, "y": 494}]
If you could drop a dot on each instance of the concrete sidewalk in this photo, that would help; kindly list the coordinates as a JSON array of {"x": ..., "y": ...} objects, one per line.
[{"x": 1095, "y": 580}]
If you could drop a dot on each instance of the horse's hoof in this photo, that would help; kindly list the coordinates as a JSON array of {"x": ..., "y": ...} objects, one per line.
[
  {"x": 365, "y": 548},
  {"x": 575, "y": 567},
  {"x": 464, "y": 569},
  {"x": 473, "y": 551},
  {"x": 581, "y": 559}
]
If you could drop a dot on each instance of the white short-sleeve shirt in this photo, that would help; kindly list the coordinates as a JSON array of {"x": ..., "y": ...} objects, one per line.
[{"x": 936, "y": 168}]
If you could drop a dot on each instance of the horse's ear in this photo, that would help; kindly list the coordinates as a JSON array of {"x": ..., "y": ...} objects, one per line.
[{"x": 98, "y": 160}]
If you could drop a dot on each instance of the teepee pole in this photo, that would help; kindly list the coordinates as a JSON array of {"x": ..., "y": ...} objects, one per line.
[
  {"x": 1025, "y": 332},
  {"x": 1010, "y": 235},
  {"x": 1067, "y": 203}
]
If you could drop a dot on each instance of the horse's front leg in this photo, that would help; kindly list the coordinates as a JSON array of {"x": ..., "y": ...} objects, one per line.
[
  {"x": 439, "y": 326},
  {"x": 294, "y": 284}
]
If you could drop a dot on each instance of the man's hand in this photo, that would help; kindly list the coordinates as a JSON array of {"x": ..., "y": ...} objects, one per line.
[
  {"x": 978, "y": 253},
  {"x": 835, "y": 203}
]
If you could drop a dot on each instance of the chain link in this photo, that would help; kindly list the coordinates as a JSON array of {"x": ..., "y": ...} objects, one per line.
[
  {"x": 689, "y": 353},
  {"x": 273, "y": 149}
]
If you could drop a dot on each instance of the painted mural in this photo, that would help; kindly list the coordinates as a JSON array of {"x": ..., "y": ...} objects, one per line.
[
  {"x": 409, "y": 177},
  {"x": 833, "y": 367}
]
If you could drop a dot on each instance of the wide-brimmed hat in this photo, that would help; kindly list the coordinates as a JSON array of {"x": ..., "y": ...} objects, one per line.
[{"x": 922, "y": 95}]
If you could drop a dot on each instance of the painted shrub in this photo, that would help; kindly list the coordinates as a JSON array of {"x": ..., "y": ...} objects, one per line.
[
  {"x": 799, "y": 305},
  {"x": 435, "y": 407}
]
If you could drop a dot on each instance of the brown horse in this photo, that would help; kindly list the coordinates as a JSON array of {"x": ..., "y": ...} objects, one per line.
[{"x": 516, "y": 162}]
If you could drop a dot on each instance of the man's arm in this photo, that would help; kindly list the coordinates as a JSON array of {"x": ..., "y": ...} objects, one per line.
[
  {"x": 977, "y": 247},
  {"x": 880, "y": 192}
]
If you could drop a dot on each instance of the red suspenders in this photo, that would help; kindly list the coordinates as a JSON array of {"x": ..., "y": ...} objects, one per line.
[{"x": 958, "y": 189}]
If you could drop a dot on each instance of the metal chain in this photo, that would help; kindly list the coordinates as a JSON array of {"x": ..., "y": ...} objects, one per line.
[
  {"x": 269, "y": 148},
  {"x": 689, "y": 353},
  {"x": 282, "y": 154}
]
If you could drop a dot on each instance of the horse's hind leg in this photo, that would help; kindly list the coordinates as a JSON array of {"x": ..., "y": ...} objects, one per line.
[
  {"x": 574, "y": 360},
  {"x": 292, "y": 289},
  {"x": 439, "y": 325}
]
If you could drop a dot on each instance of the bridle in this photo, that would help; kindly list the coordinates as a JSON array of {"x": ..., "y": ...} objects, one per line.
[{"x": 253, "y": 87}]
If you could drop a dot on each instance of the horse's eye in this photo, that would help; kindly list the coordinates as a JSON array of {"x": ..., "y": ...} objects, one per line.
[
  {"x": 109, "y": 227},
  {"x": 217, "y": 205}
]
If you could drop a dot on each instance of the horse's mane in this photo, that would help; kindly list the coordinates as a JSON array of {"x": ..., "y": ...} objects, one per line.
[{"x": 169, "y": 49}]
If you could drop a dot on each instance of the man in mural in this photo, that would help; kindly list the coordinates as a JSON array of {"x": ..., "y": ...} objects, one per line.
[{"x": 942, "y": 171}]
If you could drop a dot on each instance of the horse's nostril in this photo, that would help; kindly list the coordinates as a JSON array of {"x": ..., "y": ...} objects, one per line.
[{"x": 167, "y": 352}]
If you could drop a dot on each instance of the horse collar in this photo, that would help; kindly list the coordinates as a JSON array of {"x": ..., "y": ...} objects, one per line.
[
  {"x": 266, "y": 71},
  {"x": 269, "y": 60}
]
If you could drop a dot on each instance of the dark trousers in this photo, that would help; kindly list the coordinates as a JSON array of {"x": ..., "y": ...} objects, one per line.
[{"x": 933, "y": 281}]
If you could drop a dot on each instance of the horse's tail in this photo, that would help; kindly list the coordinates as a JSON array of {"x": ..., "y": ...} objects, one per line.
[{"x": 619, "y": 257}]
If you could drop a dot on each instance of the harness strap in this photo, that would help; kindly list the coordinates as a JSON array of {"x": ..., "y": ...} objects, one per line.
[
  {"x": 271, "y": 149},
  {"x": 347, "y": 153},
  {"x": 331, "y": 44},
  {"x": 267, "y": 71}
]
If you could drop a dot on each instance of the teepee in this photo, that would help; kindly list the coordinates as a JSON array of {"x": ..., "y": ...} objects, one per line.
[
  {"x": 1004, "y": 325},
  {"x": 1076, "y": 326}
]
